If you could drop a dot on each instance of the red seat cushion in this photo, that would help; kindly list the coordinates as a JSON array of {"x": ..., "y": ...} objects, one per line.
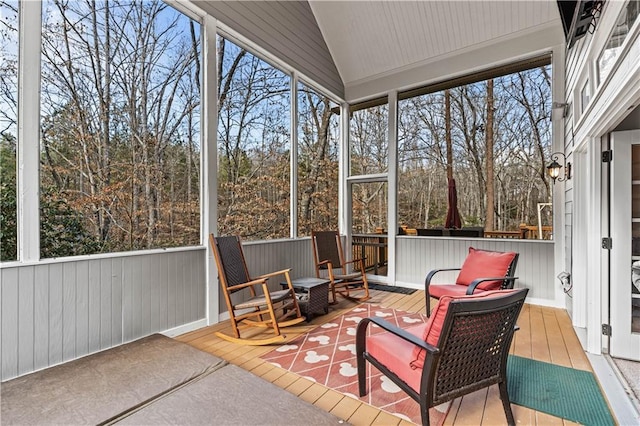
[
  {"x": 485, "y": 264},
  {"x": 433, "y": 327},
  {"x": 396, "y": 353},
  {"x": 439, "y": 290}
]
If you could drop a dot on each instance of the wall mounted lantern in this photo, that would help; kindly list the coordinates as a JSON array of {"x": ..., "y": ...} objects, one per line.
[{"x": 554, "y": 168}]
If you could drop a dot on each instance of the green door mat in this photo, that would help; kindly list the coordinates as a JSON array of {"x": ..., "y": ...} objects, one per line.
[{"x": 560, "y": 391}]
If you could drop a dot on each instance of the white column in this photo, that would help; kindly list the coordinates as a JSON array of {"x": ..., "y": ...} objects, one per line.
[
  {"x": 580, "y": 264},
  {"x": 29, "y": 131},
  {"x": 344, "y": 190},
  {"x": 595, "y": 302},
  {"x": 559, "y": 188},
  {"x": 293, "y": 159},
  {"x": 392, "y": 187},
  {"x": 209, "y": 162}
]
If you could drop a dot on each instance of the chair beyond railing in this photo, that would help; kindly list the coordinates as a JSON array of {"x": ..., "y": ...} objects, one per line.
[
  {"x": 525, "y": 232},
  {"x": 373, "y": 248},
  {"x": 531, "y": 232}
]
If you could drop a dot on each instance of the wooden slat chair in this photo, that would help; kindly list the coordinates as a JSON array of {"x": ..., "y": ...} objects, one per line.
[
  {"x": 462, "y": 348},
  {"x": 482, "y": 270},
  {"x": 331, "y": 264},
  {"x": 265, "y": 308}
]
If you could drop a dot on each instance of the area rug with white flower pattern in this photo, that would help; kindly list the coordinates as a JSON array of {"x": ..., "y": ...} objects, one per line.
[{"x": 327, "y": 355}]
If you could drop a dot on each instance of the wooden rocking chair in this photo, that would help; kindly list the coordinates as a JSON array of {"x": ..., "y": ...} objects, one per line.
[
  {"x": 266, "y": 308},
  {"x": 329, "y": 256}
]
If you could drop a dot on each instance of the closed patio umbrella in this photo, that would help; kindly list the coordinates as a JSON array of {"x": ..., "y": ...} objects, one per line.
[{"x": 453, "y": 215}]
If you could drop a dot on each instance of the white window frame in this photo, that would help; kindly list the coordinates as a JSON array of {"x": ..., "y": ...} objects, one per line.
[
  {"x": 295, "y": 78},
  {"x": 28, "y": 137}
]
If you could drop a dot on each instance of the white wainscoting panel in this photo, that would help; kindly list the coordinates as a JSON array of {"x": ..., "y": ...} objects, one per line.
[
  {"x": 56, "y": 311},
  {"x": 416, "y": 256}
]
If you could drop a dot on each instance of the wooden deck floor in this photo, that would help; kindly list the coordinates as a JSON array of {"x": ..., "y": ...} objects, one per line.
[{"x": 545, "y": 334}]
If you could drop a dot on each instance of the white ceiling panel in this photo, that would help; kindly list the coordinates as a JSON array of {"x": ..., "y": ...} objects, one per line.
[{"x": 368, "y": 39}]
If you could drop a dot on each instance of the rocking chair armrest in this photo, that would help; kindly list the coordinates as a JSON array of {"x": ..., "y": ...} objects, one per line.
[
  {"x": 247, "y": 284},
  {"x": 476, "y": 282},
  {"x": 349, "y": 262},
  {"x": 273, "y": 274},
  {"x": 431, "y": 274},
  {"x": 324, "y": 262},
  {"x": 393, "y": 329},
  {"x": 355, "y": 260}
]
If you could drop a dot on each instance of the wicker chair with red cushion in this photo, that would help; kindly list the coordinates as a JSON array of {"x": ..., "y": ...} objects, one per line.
[
  {"x": 462, "y": 348},
  {"x": 482, "y": 270}
]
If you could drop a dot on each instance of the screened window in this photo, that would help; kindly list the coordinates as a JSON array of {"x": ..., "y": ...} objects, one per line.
[
  {"x": 368, "y": 140},
  {"x": 626, "y": 20},
  {"x": 8, "y": 128},
  {"x": 369, "y": 204},
  {"x": 120, "y": 125},
  {"x": 493, "y": 137},
  {"x": 318, "y": 148},
  {"x": 254, "y": 121}
]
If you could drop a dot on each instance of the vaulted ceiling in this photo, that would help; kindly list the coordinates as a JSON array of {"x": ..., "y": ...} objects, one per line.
[{"x": 371, "y": 39}]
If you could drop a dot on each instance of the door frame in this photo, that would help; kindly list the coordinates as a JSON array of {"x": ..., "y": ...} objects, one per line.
[
  {"x": 622, "y": 343},
  {"x": 608, "y": 108}
]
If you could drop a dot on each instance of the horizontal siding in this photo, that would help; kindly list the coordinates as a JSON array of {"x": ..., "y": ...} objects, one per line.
[
  {"x": 416, "y": 256},
  {"x": 575, "y": 63},
  {"x": 286, "y": 29},
  {"x": 58, "y": 311},
  {"x": 576, "y": 70}
]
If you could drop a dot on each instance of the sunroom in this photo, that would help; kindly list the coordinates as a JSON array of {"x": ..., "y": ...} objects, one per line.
[{"x": 136, "y": 129}]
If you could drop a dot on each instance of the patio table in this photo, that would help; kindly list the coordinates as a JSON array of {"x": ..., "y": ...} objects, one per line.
[{"x": 313, "y": 295}]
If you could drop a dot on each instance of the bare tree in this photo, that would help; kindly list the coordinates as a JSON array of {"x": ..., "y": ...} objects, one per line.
[
  {"x": 499, "y": 133},
  {"x": 317, "y": 163},
  {"x": 119, "y": 92},
  {"x": 253, "y": 141}
]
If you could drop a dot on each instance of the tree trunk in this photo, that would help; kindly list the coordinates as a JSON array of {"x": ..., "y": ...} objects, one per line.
[
  {"x": 447, "y": 123},
  {"x": 489, "y": 218},
  {"x": 321, "y": 121}
]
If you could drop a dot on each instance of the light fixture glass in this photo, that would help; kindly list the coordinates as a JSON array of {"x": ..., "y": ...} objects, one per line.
[
  {"x": 554, "y": 170},
  {"x": 554, "y": 167}
]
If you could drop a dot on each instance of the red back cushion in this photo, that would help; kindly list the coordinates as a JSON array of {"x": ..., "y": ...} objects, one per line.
[
  {"x": 436, "y": 321},
  {"x": 485, "y": 264}
]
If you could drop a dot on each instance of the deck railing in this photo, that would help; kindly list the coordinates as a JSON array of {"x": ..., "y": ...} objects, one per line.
[{"x": 373, "y": 248}]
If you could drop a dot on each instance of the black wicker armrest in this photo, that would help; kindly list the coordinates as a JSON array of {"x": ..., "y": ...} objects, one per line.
[
  {"x": 361, "y": 334},
  {"x": 477, "y": 281},
  {"x": 431, "y": 274}
]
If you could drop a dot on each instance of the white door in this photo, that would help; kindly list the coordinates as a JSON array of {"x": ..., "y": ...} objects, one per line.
[{"x": 625, "y": 252}]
